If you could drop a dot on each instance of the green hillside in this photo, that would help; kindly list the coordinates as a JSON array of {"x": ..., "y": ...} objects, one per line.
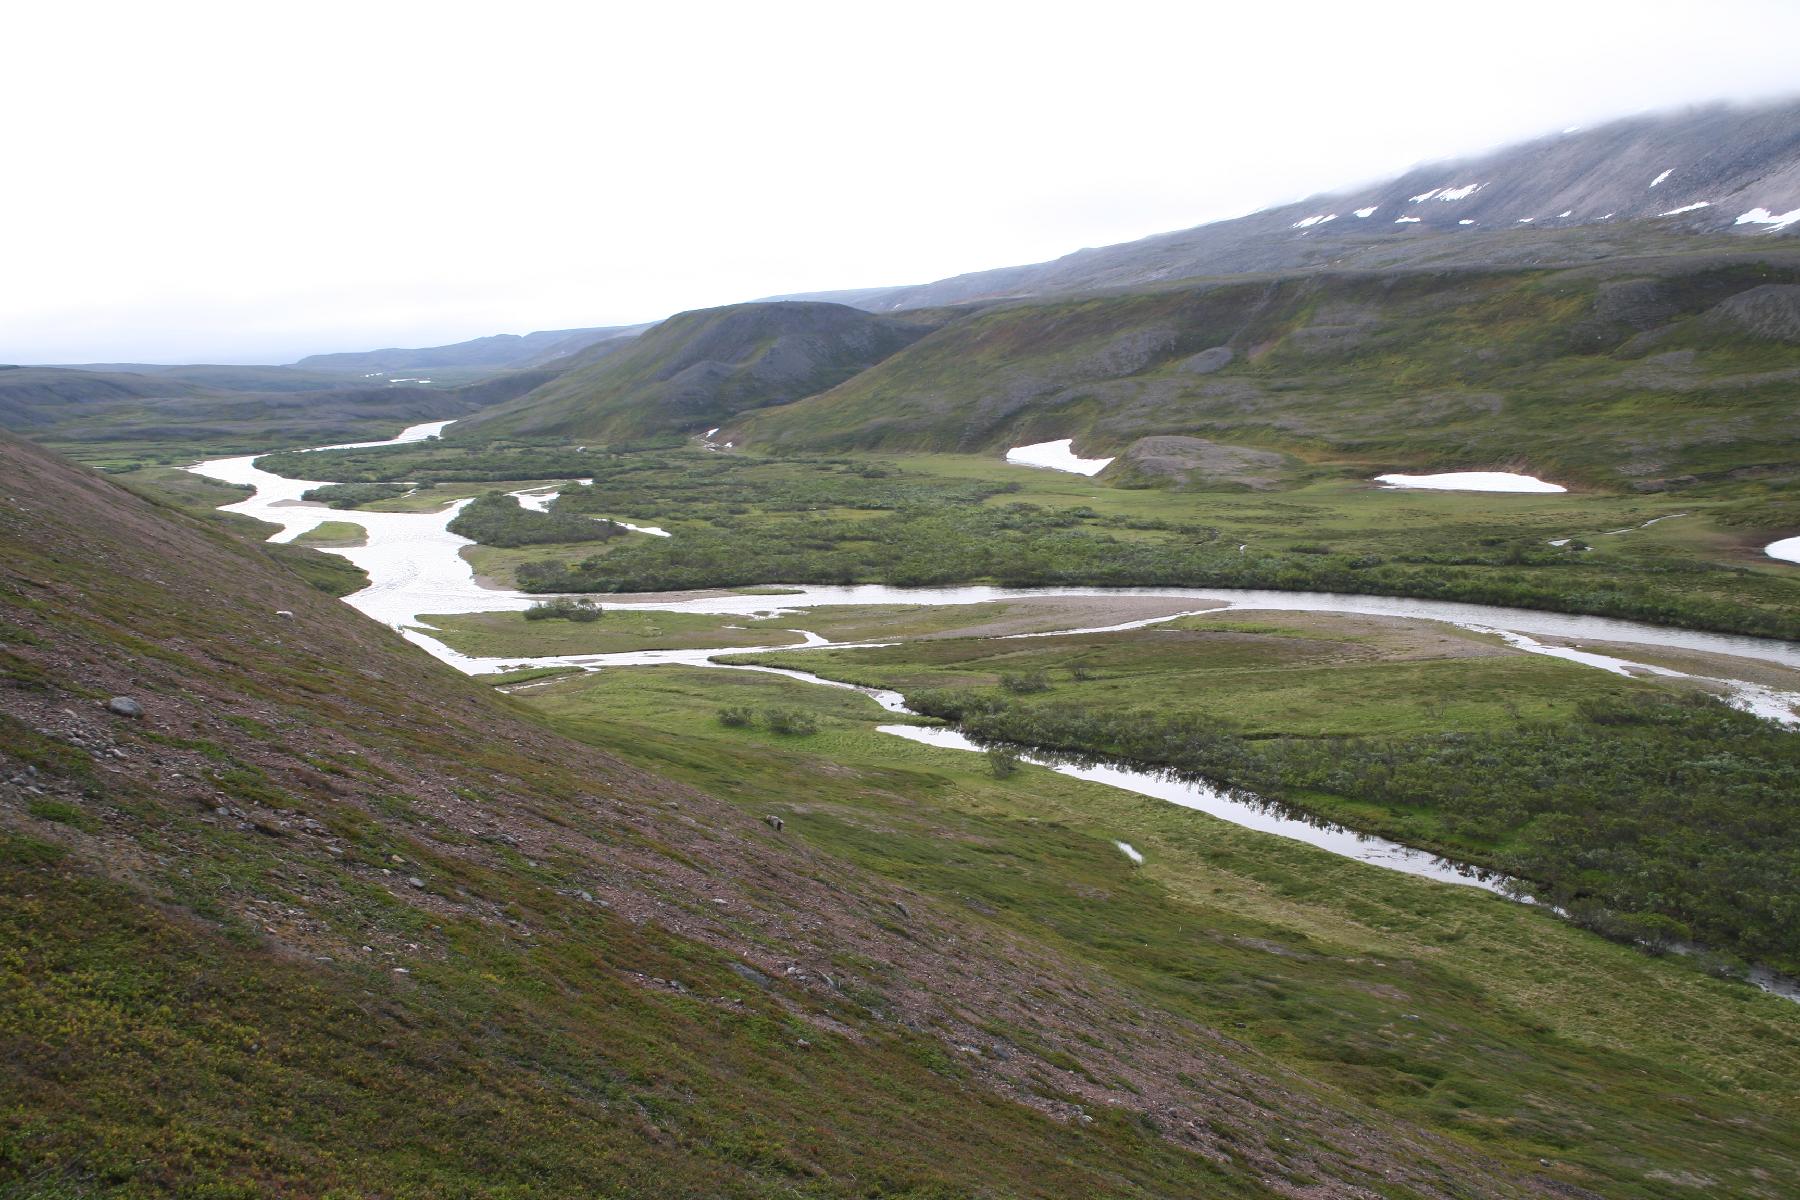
[
  {"x": 1638, "y": 375},
  {"x": 701, "y": 368}
]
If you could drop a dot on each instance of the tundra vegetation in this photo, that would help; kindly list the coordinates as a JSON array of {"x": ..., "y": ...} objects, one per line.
[
  {"x": 940, "y": 519},
  {"x": 1650, "y": 813}
]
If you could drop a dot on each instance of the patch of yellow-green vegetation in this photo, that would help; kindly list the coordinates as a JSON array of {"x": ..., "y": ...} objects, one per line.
[
  {"x": 509, "y": 634},
  {"x": 1306, "y": 675},
  {"x": 180, "y": 488},
  {"x": 1484, "y": 1019},
  {"x": 862, "y": 622},
  {"x": 334, "y": 535},
  {"x": 497, "y": 566}
]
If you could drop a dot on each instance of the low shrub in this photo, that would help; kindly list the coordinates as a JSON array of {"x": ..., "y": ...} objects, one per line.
[
  {"x": 790, "y": 722},
  {"x": 564, "y": 608}
]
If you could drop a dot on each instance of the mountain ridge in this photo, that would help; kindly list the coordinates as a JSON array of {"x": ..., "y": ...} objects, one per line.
[
  {"x": 702, "y": 368},
  {"x": 1738, "y": 160},
  {"x": 493, "y": 352}
]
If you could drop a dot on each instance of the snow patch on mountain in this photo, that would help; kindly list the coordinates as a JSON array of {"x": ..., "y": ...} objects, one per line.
[{"x": 1762, "y": 216}]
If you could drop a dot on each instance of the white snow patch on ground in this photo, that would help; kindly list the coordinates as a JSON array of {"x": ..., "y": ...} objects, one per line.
[
  {"x": 1056, "y": 456},
  {"x": 710, "y": 432},
  {"x": 1471, "y": 481},
  {"x": 1366, "y": 213},
  {"x": 1526, "y": 220},
  {"x": 1662, "y": 177},
  {"x": 1406, "y": 220},
  {"x": 1130, "y": 852},
  {"x": 1424, "y": 196},
  {"x": 1762, "y": 216},
  {"x": 1607, "y": 217},
  {"x": 1460, "y": 193},
  {"x": 1569, "y": 213},
  {"x": 1309, "y": 222},
  {"x": 1465, "y": 221},
  {"x": 1675, "y": 212},
  {"x": 1787, "y": 550}
]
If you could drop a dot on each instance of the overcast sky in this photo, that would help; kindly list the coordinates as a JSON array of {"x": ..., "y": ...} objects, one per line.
[{"x": 249, "y": 182}]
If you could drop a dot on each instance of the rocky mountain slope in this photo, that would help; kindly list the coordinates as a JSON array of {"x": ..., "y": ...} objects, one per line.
[
  {"x": 701, "y": 368},
  {"x": 1712, "y": 169}
]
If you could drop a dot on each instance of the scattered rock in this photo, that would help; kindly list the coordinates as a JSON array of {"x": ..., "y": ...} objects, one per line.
[
  {"x": 125, "y": 706},
  {"x": 282, "y": 612},
  {"x": 1197, "y": 462},
  {"x": 415, "y": 881},
  {"x": 1207, "y": 361},
  {"x": 750, "y": 975}
]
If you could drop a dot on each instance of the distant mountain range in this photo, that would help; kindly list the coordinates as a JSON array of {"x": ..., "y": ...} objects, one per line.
[{"x": 501, "y": 351}]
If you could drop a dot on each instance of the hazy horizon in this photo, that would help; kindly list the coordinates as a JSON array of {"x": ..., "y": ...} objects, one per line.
[{"x": 236, "y": 186}]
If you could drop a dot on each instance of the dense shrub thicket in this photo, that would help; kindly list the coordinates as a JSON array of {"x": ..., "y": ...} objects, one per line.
[
  {"x": 1017, "y": 544},
  {"x": 1653, "y": 818},
  {"x": 1023, "y": 545},
  {"x": 563, "y": 608},
  {"x": 497, "y": 519}
]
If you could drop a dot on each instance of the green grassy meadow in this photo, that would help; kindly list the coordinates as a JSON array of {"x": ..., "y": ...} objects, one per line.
[{"x": 1488, "y": 1021}]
